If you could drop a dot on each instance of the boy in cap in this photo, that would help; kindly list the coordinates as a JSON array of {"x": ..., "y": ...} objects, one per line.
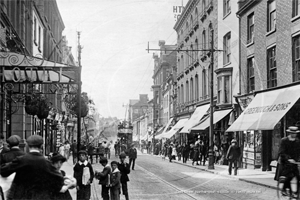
[
  {"x": 104, "y": 179},
  {"x": 35, "y": 177},
  {"x": 14, "y": 151},
  {"x": 125, "y": 170},
  {"x": 84, "y": 175},
  {"x": 115, "y": 184}
]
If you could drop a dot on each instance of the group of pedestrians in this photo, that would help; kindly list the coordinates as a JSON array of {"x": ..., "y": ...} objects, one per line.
[
  {"x": 39, "y": 178},
  {"x": 198, "y": 153}
]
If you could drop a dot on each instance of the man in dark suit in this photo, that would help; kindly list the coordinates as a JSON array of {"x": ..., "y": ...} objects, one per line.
[
  {"x": 13, "y": 142},
  {"x": 132, "y": 156},
  {"x": 36, "y": 178}
]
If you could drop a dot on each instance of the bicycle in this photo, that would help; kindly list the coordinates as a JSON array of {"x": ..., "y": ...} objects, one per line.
[{"x": 295, "y": 189}]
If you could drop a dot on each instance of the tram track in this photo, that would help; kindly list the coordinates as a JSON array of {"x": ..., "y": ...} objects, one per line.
[{"x": 185, "y": 192}]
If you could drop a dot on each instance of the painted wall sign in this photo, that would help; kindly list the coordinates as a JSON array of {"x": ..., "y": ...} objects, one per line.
[{"x": 177, "y": 10}]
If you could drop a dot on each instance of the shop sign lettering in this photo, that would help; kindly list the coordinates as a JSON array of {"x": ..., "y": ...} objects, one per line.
[
  {"x": 177, "y": 10},
  {"x": 31, "y": 74},
  {"x": 270, "y": 108}
]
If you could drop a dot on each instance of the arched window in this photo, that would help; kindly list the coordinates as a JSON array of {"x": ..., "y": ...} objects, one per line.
[
  {"x": 209, "y": 33},
  {"x": 203, "y": 41},
  {"x": 182, "y": 93},
  {"x": 203, "y": 6},
  {"x": 191, "y": 20},
  {"x": 187, "y": 26},
  {"x": 197, "y": 87},
  {"x": 204, "y": 84},
  {"x": 187, "y": 91},
  {"x": 196, "y": 14},
  {"x": 178, "y": 95},
  {"x": 181, "y": 67},
  {"x": 191, "y": 89},
  {"x": 192, "y": 54},
  {"x": 196, "y": 48}
]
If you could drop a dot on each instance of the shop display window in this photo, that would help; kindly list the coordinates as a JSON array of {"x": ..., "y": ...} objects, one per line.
[{"x": 252, "y": 149}]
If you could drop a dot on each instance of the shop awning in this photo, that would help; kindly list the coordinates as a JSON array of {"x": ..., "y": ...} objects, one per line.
[
  {"x": 175, "y": 128},
  {"x": 218, "y": 115},
  {"x": 195, "y": 118},
  {"x": 167, "y": 126},
  {"x": 266, "y": 109}
]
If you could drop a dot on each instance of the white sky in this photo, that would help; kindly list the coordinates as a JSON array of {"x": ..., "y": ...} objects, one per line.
[{"x": 114, "y": 34}]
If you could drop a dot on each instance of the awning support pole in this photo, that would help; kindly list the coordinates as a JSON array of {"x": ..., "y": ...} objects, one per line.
[{"x": 211, "y": 127}]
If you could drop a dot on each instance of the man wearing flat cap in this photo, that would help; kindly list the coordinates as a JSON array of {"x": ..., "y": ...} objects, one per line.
[
  {"x": 14, "y": 151},
  {"x": 36, "y": 178}
]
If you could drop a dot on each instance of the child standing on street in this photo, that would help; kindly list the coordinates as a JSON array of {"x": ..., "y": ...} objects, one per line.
[
  {"x": 103, "y": 178},
  {"x": 115, "y": 183},
  {"x": 125, "y": 170},
  {"x": 84, "y": 174}
]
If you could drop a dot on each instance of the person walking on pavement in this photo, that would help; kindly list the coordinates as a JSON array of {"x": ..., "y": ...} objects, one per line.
[
  {"x": 115, "y": 184},
  {"x": 74, "y": 151},
  {"x": 36, "y": 178},
  {"x": 196, "y": 154},
  {"x": 289, "y": 153},
  {"x": 104, "y": 178},
  {"x": 170, "y": 151},
  {"x": 14, "y": 151},
  {"x": 57, "y": 161},
  {"x": 125, "y": 170},
  {"x": 84, "y": 175},
  {"x": 132, "y": 156},
  {"x": 67, "y": 149},
  {"x": 203, "y": 152},
  {"x": 233, "y": 155}
]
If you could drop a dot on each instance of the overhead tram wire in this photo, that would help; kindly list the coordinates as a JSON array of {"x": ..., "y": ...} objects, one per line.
[{"x": 142, "y": 77}]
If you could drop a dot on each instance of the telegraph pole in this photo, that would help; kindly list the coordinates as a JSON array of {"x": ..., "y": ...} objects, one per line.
[
  {"x": 211, "y": 127},
  {"x": 79, "y": 95}
]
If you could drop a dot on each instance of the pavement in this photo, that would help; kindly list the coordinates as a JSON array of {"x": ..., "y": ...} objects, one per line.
[{"x": 254, "y": 176}]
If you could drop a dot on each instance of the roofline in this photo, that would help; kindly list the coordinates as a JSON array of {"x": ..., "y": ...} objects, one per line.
[{"x": 184, "y": 13}]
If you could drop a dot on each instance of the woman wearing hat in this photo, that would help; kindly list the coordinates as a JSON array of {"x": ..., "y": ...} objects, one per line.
[
  {"x": 289, "y": 153},
  {"x": 57, "y": 161},
  {"x": 233, "y": 155}
]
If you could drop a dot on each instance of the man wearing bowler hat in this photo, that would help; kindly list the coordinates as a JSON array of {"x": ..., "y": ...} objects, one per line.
[
  {"x": 14, "y": 150},
  {"x": 36, "y": 178}
]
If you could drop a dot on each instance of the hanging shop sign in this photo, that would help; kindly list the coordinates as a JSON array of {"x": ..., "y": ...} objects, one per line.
[
  {"x": 244, "y": 101},
  {"x": 19, "y": 68}
]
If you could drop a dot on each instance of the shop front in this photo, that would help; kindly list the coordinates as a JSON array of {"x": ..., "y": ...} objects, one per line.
[
  {"x": 185, "y": 132},
  {"x": 221, "y": 138},
  {"x": 263, "y": 124}
]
